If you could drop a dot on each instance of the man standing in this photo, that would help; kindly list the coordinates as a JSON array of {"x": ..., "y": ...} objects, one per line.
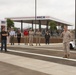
[
  {"x": 31, "y": 34},
  {"x": 4, "y": 40},
  {"x": 26, "y": 33},
  {"x": 66, "y": 35},
  {"x": 12, "y": 34},
  {"x": 38, "y": 37}
]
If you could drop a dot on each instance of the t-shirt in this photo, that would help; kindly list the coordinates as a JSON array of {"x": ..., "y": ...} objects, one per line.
[
  {"x": 18, "y": 35},
  {"x": 26, "y": 32},
  {"x": 3, "y": 37},
  {"x": 12, "y": 33},
  {"x": 47, "y": 36}
]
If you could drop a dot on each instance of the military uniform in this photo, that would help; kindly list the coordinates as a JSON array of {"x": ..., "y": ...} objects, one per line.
[
  {"x": 66, "y": 42},
  {"x": 31, "y": 34},
  {"x": 38, "y": 37}
]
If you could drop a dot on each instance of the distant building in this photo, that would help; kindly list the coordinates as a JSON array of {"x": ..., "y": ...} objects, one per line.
[
  {"x": 39, "y": 20},
  {"x": 3, "y": 24}
]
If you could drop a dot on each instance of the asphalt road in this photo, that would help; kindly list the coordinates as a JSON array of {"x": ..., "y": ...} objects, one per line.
[{"x": 49, "y": 51}]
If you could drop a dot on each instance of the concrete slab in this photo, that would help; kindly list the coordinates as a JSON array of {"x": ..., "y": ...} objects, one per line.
[
  {"x": 38, "y": 65},
  {"x": 8, "y": 69}
]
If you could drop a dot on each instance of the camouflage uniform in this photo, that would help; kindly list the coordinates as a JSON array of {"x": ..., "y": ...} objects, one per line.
[
  {"x": 66, "y": 42},
  {"x": 31, "y": 34},
  {"x": 38, "y": 37}
]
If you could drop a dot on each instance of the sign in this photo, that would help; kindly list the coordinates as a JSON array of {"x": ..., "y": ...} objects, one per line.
[{"x": 3, "y": 24}]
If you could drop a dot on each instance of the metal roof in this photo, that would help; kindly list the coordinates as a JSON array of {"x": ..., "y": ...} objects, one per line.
[{"x": 36, "y": 20}]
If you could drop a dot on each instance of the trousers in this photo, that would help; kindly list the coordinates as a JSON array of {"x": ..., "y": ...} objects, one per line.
[
  {"x": 66, "y": 47},
  {"x": 4, "y": 45}
]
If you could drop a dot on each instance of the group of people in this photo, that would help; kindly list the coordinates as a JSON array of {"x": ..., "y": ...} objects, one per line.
[
  {"x": 37, "y": 37},
  {"x": 66, "y": 35},
  {"x": 7, "y": 37},
  {"x": 29, "y": 38}
]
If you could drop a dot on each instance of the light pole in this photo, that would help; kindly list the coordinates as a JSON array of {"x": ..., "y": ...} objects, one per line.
[
  {"x": 75, "y": 25},
  {"x": 35, "y": 13}
]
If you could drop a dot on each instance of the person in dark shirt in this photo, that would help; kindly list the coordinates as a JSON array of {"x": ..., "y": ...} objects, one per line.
[
  {"x": 4, "y": 40},
  {"x": 18, "y": 37},
  {"x": 47, "y": 37}
]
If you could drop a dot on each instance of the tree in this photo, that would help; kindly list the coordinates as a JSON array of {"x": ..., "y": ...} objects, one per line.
[
  {"x": 52, "y": 25},
  {"x": 53, "y": 28},
  {"x": 10, "y": 23}
]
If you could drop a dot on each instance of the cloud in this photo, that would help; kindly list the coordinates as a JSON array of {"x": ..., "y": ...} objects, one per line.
[{"x": 62, "y": 9}]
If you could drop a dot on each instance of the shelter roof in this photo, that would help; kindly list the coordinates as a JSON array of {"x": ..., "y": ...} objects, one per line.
[{"x": 36, "y": 20}]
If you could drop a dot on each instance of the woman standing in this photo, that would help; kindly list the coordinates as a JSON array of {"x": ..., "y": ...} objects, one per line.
[
  {"x": 47, "y": 37},
  {"x": 18, "y": 37}
]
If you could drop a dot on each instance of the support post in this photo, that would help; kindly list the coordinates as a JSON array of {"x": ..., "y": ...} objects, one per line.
[{"x": 21, "y": 26}]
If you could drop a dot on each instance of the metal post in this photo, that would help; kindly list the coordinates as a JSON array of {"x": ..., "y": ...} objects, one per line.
[
  {"x": 32, "y": 25},
  {"x": 39, "y": 25},
  {"x": 75, "y": 26},
  {"x": 47, "y": 25},
  {"x": 35, "y": 13},
  {"x": 21, "y": 26}
]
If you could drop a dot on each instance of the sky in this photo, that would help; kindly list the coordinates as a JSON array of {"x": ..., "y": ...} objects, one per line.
[{"x": 61, "y": 9}]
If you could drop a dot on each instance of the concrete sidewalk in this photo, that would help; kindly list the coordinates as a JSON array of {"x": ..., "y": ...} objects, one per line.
[
  {"x": 9, "y": 69},
  {"x": 43, "y": 67}
]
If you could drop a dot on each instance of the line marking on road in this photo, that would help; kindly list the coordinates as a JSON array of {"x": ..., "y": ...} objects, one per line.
[{"x": 42, "y": 55}]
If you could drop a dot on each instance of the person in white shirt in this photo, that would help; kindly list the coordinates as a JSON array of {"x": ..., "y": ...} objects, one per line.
[{"x": 12, "y": 35}]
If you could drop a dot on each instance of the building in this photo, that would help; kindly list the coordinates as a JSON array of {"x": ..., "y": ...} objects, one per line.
[
  {"x": 3, "y": 23},
  {"x": 39, "y": 20}
]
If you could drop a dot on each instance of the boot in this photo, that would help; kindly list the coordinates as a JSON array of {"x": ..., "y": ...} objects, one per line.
[
  {"x": 68, "y": 55},
  {"x": 65, "y": 56}
]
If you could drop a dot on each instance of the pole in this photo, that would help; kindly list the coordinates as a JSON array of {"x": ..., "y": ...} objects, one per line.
[
  {"x": 35, "y": 13},
  {"x": 21, "y": 26},
  {"x": 75, "y": 26}
]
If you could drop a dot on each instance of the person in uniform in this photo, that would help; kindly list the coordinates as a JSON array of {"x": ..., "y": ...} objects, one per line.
[
  {"x": 38, "y": 37},
  {"x": 66, "y": 35},
  {"x": 4, "y": 35},
  {"x": 31, "y": 34}
]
